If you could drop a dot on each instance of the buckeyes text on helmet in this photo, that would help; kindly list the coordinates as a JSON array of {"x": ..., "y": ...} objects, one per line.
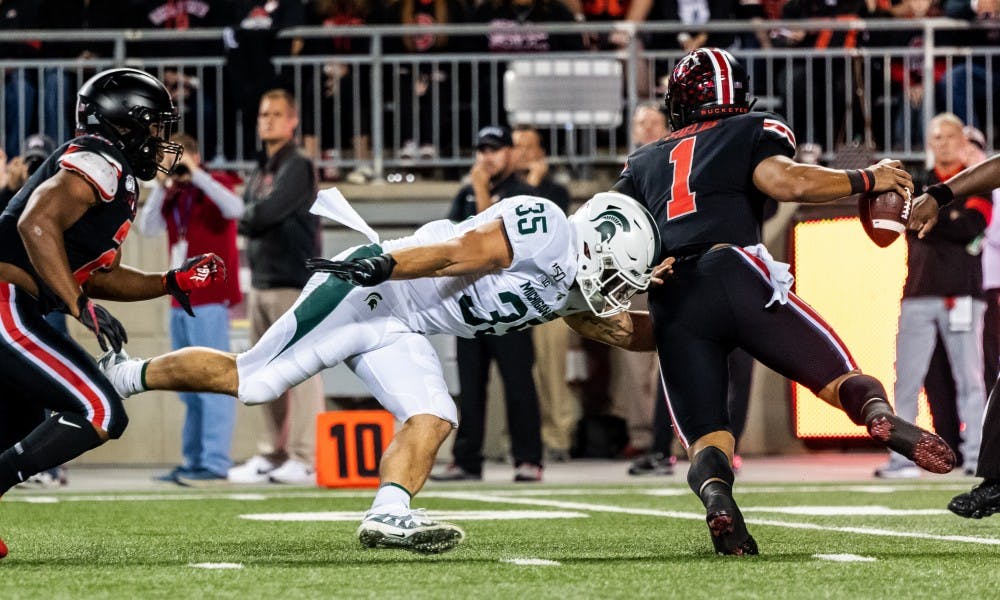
[
  {"x": 133, "y": 110},
  {"x": 707, "y": 84}
]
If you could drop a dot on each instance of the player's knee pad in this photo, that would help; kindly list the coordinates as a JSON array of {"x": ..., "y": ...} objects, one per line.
[
  {"x": 857, "y": 392},
  {"x": 710, "y": 463}
]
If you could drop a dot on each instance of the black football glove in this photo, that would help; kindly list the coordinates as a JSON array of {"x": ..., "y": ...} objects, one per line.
[
  {"x": 97, "y": 319},
  {"x": 197, "y": 272},
  {"x": 365, "y": 272}
]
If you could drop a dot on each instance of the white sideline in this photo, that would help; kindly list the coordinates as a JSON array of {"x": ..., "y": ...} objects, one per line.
[{"x": 701, "y": 517}]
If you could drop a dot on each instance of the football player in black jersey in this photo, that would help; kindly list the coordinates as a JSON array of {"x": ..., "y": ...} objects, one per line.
[
  {"x": 705, "y": 184},
  {"x": 60, "y": 240}
]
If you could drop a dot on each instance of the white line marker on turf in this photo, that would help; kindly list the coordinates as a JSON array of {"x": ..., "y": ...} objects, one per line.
[
  {"x": 216, "y": 565},
  {"x": 455, "y": 515},
  {"x": 673, "y": 514},
  {"x": 844, "y": 557},
  {"x": 847, "y": 511},
  {"x": 541, "y": 562}
]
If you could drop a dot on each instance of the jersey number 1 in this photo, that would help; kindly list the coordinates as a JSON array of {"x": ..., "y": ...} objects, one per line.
[{"x": 681, "y": 196}]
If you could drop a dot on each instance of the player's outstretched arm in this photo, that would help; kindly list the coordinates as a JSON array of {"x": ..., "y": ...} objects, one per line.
[
  {"x": 976, "y": 180},
  {"x": 127, "y": 284},
  {"x": 480, "y": 250},
  {"x": 785, "y": 180},
  {"x": 631, "y": 330}
]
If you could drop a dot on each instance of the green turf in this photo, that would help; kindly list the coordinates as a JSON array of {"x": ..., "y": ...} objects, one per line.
[{"x": 80, "y": 547}]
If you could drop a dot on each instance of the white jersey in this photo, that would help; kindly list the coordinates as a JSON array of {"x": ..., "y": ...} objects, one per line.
[
  {"x": 534, "y": 289},
  {"x": 378, "y": 331}
]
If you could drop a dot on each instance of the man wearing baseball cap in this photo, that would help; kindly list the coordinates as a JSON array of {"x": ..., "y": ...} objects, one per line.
[{"x": 493, "y": 178}]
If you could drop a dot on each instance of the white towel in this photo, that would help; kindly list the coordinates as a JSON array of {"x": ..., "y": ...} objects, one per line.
[
  {"x": 330, "y": 203},
  {"x": 781, "y": 276}
]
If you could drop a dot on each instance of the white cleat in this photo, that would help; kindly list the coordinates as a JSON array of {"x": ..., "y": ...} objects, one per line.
[
  {"x": 119, "y": 368},
  {"x": 413, "y": 531}
]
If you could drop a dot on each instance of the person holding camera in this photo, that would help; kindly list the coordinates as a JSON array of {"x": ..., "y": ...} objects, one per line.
[{"x": 199, "y": 212}]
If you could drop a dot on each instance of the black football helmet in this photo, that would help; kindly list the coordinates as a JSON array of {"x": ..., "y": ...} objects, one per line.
[
  {"x": 707, "y": 84},
  {"x": 133, "y": 110}
]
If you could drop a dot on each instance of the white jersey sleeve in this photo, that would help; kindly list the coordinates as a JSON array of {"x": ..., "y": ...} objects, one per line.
[{"x": 528, "y": 292}]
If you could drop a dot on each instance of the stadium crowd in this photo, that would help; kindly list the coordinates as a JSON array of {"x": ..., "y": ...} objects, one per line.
[{"x": 339, "y": 89}]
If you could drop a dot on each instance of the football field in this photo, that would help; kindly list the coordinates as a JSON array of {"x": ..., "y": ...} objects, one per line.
[{"x": 626, "y": 540}]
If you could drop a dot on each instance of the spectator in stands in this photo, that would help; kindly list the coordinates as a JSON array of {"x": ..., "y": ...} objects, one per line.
[
  {"x": 60, "y": 82},
  {"x": 907, "y": 90},
  {"x": 345, "y": 95},
  {"x": 20, "y": 86},
  {"x": 193, "y": 91},
  {"x": 817, "y": 100},
  {"x": 198, "y": 210},
  {"x": 251, "y": 42},
  {"x": 558, "y": 406},
  {"x": 281, "y": 235},
  {"x": 971, "y": 75},
  {"x": 493, "y": 178},
  {"x": 943, "y": 296},
  {"x": 424, "y": 88},
  {"x": 939, "y": 383},
  {"x": 507, "y": 20}
]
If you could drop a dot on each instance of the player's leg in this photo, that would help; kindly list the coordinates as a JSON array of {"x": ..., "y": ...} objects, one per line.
[
  {"x": 55, "y": 372},
  {"x": 793, "y": 340},
  {"x": 984, "y": 499},
  {"x": 692, "y": 325},
  {"x": 405, "y": 377},
  {"x": 299, "y": 344}
]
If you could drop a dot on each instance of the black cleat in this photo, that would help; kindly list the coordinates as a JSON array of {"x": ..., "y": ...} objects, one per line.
[
  {"x": 927, "y": 449},
  {"x": 725, "y": 523},
  {"x": 982, "y": 501}
]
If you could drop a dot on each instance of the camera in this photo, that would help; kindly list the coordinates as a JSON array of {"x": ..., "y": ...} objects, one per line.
[{"x": 180, "y": 171}]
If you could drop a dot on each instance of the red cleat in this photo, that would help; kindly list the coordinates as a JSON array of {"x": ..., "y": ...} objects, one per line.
[{"x": 3, "y": 549}]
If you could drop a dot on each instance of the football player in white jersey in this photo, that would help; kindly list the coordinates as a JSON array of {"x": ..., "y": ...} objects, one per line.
[{"x": 520, "y": 263}]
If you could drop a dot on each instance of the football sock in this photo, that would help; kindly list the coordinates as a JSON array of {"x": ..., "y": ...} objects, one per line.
[
  {"x": 59, "y": 439},
  {"x": 710, "y": 473},
  {"x": 863, "y": 397},
  {"x": 392, "y": 498},
  {"x": 133, "y": 375}
]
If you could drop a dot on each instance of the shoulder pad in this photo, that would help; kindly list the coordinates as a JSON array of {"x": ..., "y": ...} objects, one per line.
[
  {"x": 776, "y": 127},
  {"x": 99, "y": 168}
]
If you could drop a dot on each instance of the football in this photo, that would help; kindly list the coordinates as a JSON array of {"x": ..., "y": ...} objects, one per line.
[{"x": 883, "y": 216}]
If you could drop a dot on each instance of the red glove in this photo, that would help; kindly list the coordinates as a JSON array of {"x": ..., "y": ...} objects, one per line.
[{"x": 197, "y": 272}]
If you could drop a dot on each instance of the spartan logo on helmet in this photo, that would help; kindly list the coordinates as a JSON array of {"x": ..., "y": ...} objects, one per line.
[
  {"x": 610, "y": 222},
  {"x": 373, "y": 299},
  {"x": 617, "y": 245}
]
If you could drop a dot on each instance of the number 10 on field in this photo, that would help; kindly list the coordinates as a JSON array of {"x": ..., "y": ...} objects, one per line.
[{"x": 349, "y": 446}]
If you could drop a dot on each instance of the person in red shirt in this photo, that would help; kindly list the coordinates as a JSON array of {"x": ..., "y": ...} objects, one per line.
[{"x": 199, "y": 211}]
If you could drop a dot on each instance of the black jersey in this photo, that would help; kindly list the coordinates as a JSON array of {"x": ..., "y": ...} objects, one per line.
[
  {"x": 698, "y": 181},
  {"x": 92, "y": 242}
]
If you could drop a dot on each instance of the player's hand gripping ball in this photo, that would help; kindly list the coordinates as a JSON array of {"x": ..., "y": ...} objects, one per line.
[{"x": 884, "y": 216}]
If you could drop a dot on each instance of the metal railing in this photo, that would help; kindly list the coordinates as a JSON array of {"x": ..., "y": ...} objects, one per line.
[{"x": 382, "y": 109}]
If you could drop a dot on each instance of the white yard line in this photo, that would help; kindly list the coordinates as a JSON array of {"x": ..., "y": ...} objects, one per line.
[
  {"x": 452, "y": 515},
  {"x": 207, "y": 565},
  {"x": 700, "y": 517},
  {"x": 844, "y": 557},
  {"x": 542, "y": 562}
]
